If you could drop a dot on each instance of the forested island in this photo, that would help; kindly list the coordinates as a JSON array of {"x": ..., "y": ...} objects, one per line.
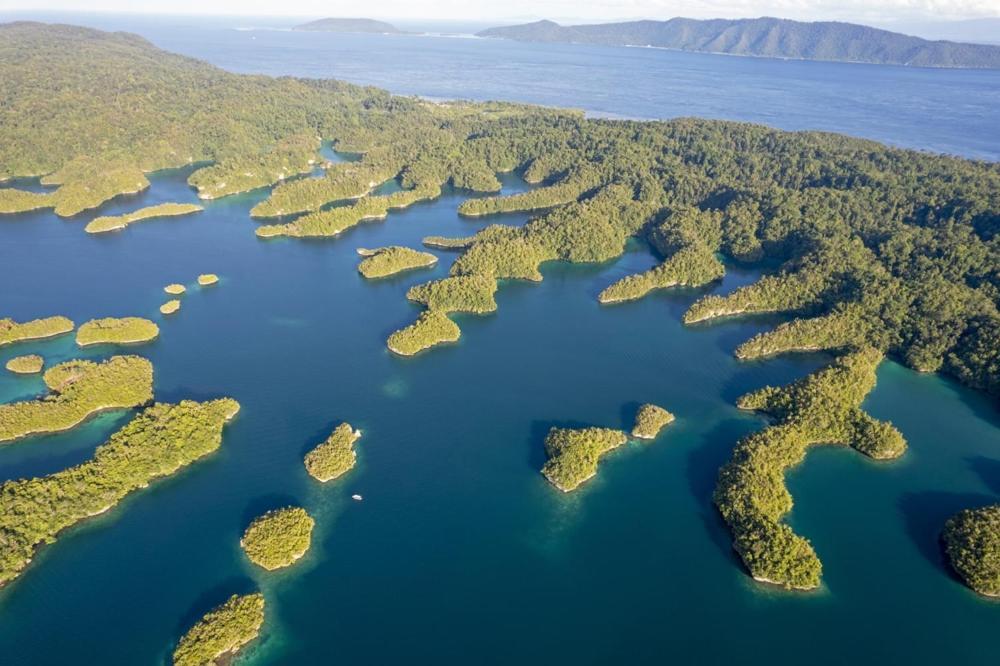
[
  {"x": 158, "y": 442},
  {"x": 823, "y": 408},
  {"x": 387, "y": 261},
  {"x": 765, "y": 37},
  {"x": 278, "y": 538},
  {"x": 79, "y": 390},
  {"x": 867, "y": 250},
  {"x": 650, "y": 420},
  {"x": 335, "y": 456},
  {"x": 574, "y": 454},
  {"x": 28, "y": 364},
  {"x": 36, "y": 329},
  {"x": 219, "y": 635},
  {"x": 116, "y": 331},
  {"x": 972, "y": 543},
  {"x": 101, "y": 225},
  {"x": 350, "y": 25}
]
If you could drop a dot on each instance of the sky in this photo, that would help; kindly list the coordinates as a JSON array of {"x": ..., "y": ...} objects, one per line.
[{"x": 860, "y": 11}]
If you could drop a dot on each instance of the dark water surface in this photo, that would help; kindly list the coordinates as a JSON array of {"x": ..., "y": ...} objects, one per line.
[{"x": 460, "y": 552}]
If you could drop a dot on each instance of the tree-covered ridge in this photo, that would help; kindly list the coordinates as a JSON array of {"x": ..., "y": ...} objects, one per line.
[
  {"x": 387, "y": 261},
  {"x": 335, "y": 456},
  {"x": 159, "y": 441},
  {"x": 79, "y": 390},
  {"x": 36, "y": 329},
  {"x": 972, "y": 543},
  {"x": 116, "y": 331},
  {"x": 574, "y": 453},
  {"x": 278, "y": 538},
  {"x": 823, "y": 408},
  {"x": 290, "y": 156},
  {"x": 216, "y": 637},
  {"x": 765, "y": 37},
  {"x": 114, "y": 223}
]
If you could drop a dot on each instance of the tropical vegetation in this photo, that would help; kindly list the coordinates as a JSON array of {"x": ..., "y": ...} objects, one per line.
[
  {"x": 28, "y": 364},
  {"x": 822, "y": 408},
  {"x": 116, "y": 331},
  {"x": 650, "y": 420},
  {"x": 972, "y": 543},
  {"x": 114, "y": 223},
  {"x": 158, "y": 442},
  {"x": 49, "y": 327},
  {"x": 335, "y": 456},
  {"x": 216, "y": 637},
  {"x": 387, "y": 261},
  {"x": 431, "y": 328},
  {"x": 79, "y": 389},
  {"x": 574, "y": 453},
  {"x": 278, "y": 538}
]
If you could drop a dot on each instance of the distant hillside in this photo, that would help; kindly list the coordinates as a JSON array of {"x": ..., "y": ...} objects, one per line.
[
  {"x": 350, "y": 25},
  {"x": 767, "y": 37}
]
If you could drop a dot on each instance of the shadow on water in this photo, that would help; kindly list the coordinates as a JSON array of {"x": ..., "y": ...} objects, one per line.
[
  {"x": 537, "y": 432},
  {"x": 627, "y": 414},
  {"x": 702, "y": 472},
  {"x": 260, "y": 505},
  {"x": 208, "y": 600},
  {"x": 925, "y": 514},
  {"x": 319, "y": 436},
  {"x": 988, "y": 470}
]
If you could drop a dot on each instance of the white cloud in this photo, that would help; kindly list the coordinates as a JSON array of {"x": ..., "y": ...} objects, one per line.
[{"x": 851, "y": 10}]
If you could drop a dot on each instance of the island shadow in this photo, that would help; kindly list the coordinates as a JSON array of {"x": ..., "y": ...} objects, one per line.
[
  {"x": 536, "y": 438},
  {"x": 988, "y": 470},
  {"x": 702, "y": 474},
  {"x": 925, "y": 514},
  {"x": 260, "y": 505}
]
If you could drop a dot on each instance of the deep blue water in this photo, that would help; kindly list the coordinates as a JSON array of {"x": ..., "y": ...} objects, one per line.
[
  {"x": 461, "y": 552},
  {"x": 949, "y": 111}
]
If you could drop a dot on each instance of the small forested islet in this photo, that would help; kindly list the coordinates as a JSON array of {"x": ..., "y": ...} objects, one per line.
[
  {"x": 216, "y": 637},
  {"x": 116, "y": 331},
  {"x": 28, "y": 364},
  {"x": 650, "y": 420},
  {"x": 335, "y": 456},
  {"x": 574, "y": 453},
  {"x": 387, "y": 261},
  {"x": 278, "y": 538}
]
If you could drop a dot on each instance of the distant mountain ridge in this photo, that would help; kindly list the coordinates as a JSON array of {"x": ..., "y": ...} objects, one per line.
[
  {"x": 765, "y": 37},
  {"x": 350, "y": 25}
]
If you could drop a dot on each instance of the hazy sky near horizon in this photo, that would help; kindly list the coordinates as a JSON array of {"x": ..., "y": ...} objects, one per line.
[{"x": 848, "y": 10}]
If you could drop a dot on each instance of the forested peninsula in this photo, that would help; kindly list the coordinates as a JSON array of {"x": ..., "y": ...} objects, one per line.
[
  {"x": 79, "y": 389},
  {"x": 765, "y": 37},
  {"x": 866, "y": 250},
  {"x": 156, "y": 443}
]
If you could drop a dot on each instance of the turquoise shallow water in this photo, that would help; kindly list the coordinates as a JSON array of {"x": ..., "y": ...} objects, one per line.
[{"x": 460, "y": 551}]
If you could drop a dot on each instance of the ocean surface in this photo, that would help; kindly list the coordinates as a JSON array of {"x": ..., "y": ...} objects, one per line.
[{"x": 460, "y": 551}]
